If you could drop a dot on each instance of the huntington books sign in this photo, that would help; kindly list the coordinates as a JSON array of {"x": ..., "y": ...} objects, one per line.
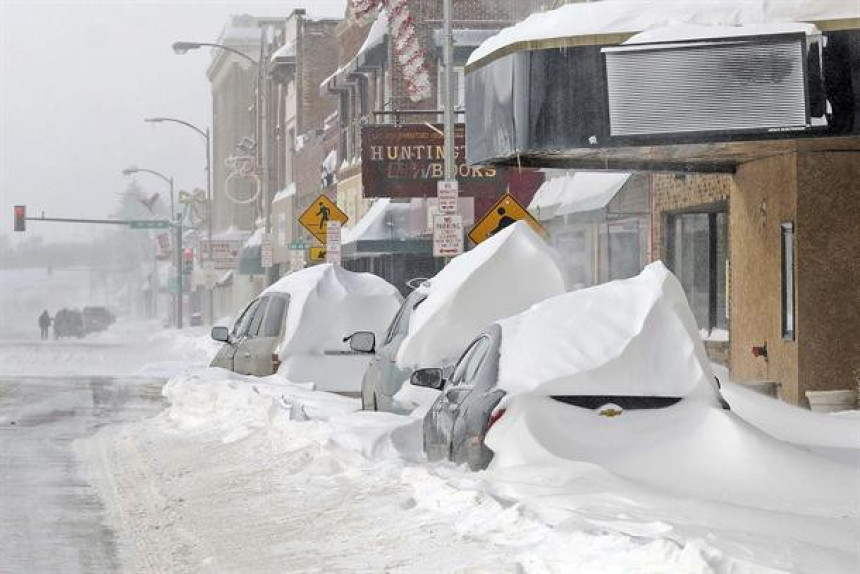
[{"x": 408, "y": 161}]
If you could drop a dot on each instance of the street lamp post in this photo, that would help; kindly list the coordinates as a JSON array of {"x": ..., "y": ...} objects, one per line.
[
  {"x": 211, "y": 215},
  {"x": 131, "y": 170},
  {"x": 262, "y": 136}
]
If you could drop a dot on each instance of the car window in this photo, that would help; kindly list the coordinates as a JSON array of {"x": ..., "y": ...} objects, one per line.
[
  {"x": 400, "y": 325},
  {"x": 259, "y": 313},
  {"x": 470, "y": 362},
  {"x": 240, "y": 327},
  {"x": 275, "y": 317}
]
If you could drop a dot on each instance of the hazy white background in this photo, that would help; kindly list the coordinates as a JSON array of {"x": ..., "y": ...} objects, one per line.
[{"x": 76, "y": 80}]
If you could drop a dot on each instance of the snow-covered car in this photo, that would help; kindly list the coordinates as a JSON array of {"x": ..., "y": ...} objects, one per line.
[
  {"x": 623, "y": 346},
  {"x": 500, "y": 277},
  {"x": 294, "y": 328}
]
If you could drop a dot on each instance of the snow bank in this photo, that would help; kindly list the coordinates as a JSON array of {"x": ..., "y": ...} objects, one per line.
[
  {"x": 690, "y": 449},
  {"x": 792, "y": 424},
  {"x": 631, "y": 16},
  {"x": 327, "y": 303},
  {"x": 504, "y": 275},
  {"x": 631, "y": 337}
]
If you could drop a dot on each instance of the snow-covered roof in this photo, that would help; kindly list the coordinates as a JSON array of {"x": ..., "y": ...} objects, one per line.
[
  {"x": 503, "y": 275},
  {"x": 632, "y": 16},
  {"x": 288, "y": 50},
  {"x": 631, "y": 337},
  {"x": 576, "y": 193},
  {"x": 375, "y": 36},
  {"x": 384, "y": 220},
  {"x": 678, "y": 32},
  {"x": 285, "y": 193},
  {"x": 256, "y": 238}
]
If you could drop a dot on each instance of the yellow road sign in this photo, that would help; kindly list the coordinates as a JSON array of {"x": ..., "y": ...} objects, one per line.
[
  {"x": 318, "y": 253},
  {"x": 318, "y": 214},
  {"x": 505, "y": 212}
]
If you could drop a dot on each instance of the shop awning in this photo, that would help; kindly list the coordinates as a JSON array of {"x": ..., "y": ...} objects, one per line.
[{"x": 579, "y": 192}]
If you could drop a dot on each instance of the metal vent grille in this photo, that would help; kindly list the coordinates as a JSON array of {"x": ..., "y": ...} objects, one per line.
[{"x": 705, "y": 87}]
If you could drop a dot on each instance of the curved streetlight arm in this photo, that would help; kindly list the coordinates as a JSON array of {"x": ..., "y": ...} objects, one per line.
[
  {"x": 178, "y": 121},
  {"x": 182, "y": 47},
  {"x": 131, "y": 171}
]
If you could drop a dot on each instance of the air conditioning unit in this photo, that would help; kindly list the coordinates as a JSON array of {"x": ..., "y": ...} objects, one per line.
[{"x": 754, "y": 84}]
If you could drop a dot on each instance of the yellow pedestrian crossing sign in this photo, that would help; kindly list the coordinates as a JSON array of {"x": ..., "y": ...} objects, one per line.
[
  {"x": 505, "y": 212},
  {"x": 317, "y": 254},
  {"x": 318, "y": 214}
]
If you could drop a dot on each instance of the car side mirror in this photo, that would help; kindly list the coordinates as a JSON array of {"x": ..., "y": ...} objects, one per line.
[
  {"x": 428, "y": 378},
  {"x": 362, "y": 342},
  {"x": 221, "y": 334}
]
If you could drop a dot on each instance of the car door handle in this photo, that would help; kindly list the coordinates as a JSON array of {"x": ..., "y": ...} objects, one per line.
[{"x": 247, "y": 355}]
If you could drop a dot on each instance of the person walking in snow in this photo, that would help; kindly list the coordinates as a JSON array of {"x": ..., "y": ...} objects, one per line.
[{"x": 44, "y": 323}]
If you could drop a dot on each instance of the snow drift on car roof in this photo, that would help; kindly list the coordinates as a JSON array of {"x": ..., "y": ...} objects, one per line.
[
  {"x": 504, "y": 275},
  {"x": 328, "y": 302},
  {"x": 631, "y": 337}
]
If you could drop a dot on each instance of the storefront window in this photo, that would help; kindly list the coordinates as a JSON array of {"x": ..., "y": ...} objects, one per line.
[{"x": 697, "y": 252}]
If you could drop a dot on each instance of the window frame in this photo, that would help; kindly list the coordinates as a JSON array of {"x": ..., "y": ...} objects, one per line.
[
  {"x": 282, "y": 315},
  {"x": 259, "y": 314},
  {"x": 788, "y": 265},
  {"x": 249, "y": 310},
  {"x": 471, "y": 354}
]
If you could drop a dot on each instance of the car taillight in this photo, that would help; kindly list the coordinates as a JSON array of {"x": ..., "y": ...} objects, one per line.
[
  {"x": 276, "y": 362},
  {"x": 495, "y": 417}
]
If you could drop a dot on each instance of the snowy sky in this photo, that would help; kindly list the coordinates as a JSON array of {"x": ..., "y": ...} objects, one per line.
[{"x": 76, "y": 80}]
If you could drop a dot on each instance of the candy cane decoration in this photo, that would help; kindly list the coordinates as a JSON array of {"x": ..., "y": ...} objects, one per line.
[{"x": 409, "y": 54}]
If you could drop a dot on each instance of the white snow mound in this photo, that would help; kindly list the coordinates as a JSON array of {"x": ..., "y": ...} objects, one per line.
[
  {"x": 504, "y": 275},
  {"x": 328, "y": 302},
  {"x": 631, "y": 337}
]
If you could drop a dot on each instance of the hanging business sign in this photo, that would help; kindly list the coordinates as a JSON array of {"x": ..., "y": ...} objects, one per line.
[{"x": 408, "y": 161}]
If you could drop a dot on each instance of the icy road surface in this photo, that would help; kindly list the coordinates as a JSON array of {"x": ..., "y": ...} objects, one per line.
[{"x": 51, "y": 519}]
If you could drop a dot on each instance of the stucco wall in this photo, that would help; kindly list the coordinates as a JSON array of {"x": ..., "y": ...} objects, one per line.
[
  {"x": 765, "y": 198},
  {"x": 828, "y": 272}
]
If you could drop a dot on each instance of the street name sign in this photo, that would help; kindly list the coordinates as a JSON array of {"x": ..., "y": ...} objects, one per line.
[
  {"x": 447, "y": 235},
  {"x": 298, "y": 245},
  {"x": 149, "y": 224},
  {"x": 317, "y": 216},
  {"x": 505, "y": 212}
]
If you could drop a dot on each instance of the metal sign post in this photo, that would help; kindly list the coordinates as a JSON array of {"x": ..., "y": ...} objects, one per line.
[{"x": 332, "y": 253}]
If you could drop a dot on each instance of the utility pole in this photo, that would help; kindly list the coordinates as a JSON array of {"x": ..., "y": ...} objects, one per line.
[
  {"x": 179, "y": 252},
  {"x": 262, "y": 98},
  {"x": 448, "y": 101}
]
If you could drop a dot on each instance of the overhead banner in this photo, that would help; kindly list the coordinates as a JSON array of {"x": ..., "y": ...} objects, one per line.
[{"x": 409, "y": 160}]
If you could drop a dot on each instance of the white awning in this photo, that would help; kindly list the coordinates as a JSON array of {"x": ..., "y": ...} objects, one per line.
[{"x": 578, "y": 192}]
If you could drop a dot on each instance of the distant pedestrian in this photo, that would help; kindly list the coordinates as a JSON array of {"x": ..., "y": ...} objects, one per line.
[{"x": 44, "y": 323}]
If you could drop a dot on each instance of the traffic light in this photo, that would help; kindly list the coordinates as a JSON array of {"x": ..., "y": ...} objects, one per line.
[
  {"x": 20, "y": 217},
  {"x": 188, "y": 261}
]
